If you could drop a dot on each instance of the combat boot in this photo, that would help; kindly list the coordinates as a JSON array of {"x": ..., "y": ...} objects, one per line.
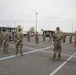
[
  {"x": 7, "y": 51},
  {"x": 54, "y": 56},
  {"x": 21, "y": 52},
  {"x": 16, "y": 51}
]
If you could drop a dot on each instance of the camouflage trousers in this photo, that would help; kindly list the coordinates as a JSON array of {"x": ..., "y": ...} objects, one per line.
[
  {"x": 5, "y": 47},
  {"x": 44, "y": 39},
  {"x": 70, "y": 41},
  {"x": 19, "y": 45},
  {"x": 57, "y": 49},
  {"x": 37, "y": 40},
  {"x": 63, "y": 40},
  {"x": 28, "y": 39},
  {"x": 0, "y": 42}
]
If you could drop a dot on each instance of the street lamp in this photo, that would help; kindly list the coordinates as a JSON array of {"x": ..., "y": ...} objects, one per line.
[{"x": 36, "y": 21}]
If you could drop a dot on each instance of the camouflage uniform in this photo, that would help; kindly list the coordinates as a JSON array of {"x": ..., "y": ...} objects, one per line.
[
  {"x": 64, "y": 38},
  {"x": 44, "y": 37},
  {"x": 28, "y": 36},
  {"x": 57, "y": 36},
  {"x": 36, "y": 38},
  {"x": 70, "y": 38},
  {"x": 0, "y": 38},
  {"x": 75, "y": 38},
  {"x": 50, "y": 37},
  {"x": 18, "y": 37},
  {"x": 5, "y": 40}
]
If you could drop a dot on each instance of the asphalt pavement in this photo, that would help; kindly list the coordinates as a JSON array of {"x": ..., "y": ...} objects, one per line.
[{"x": 37, "y": 59}]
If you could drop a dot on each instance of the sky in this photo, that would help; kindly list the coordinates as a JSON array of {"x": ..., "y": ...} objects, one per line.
[{"x": 51, "y": 14}]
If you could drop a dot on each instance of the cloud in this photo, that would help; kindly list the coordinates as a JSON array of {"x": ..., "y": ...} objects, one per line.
[{"x": 51, "y": 13}]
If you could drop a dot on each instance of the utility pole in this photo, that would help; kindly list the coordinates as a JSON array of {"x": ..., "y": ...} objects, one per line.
[{"x": 36, "y": 21}]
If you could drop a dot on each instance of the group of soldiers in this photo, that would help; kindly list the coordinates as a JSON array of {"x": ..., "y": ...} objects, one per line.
[
  {"x": 37, "y": 37},
  {"x": 18, "y": 39}
]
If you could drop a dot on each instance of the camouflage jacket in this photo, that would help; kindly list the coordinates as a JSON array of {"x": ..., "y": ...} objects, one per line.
[
  {"x": 5, "y": 36},
  {"x": 57, "y": 37},
  {"x": 18, "y": 36}
]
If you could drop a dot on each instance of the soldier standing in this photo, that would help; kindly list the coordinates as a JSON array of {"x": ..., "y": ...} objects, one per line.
[
  {"x": 28, "y": 36},
  {"x": 50, "y": 37},
  {"x": 64, "y": 38},
  {"x": 75, "y": 38},
  {"x": 0, "y": 38},
  {"x": 18, "y": 37},
  {"x": 70, "y": 38},
  {"x": 57, "y": 43},
  {"x": 36, "y": 38},
  {"x": 44, "y": 37},
  {"x": 5, "y": 40}
]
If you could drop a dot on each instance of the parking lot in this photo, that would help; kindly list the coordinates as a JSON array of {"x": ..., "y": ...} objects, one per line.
[{"x": 37, "y": 59}]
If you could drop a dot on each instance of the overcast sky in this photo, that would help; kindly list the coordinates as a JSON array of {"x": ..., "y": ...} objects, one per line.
[{"x": 51, "y": 14}]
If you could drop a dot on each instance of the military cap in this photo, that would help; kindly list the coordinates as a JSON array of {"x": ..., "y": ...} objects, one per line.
[
  {"x": 19, "y": 27},
  {"x": 57, "y": 28}
]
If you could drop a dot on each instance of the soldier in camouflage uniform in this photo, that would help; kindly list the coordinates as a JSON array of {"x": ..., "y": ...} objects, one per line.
[
  {"x": 75, "y": 38},
  {"x": 64, "y": 38},
  {"x": 50, "y": 37},
  {"x": 70, "y": 39},
  {"x": 44, "y": 37},
  {"x": 28, "y": 36},
  {"x": 57, "y": 36},
  {"x": 5, "y": 40},
  {"x": 36, "y": 38},
  {"x": 0, "y": 38},
  {"x": 18, "y": 37}
]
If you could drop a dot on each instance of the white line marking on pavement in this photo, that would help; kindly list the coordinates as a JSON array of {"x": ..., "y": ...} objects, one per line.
[
  {"x": 12, "y": 46},
  {"x": 53, "y": 52},
  {"x": 57, "y": 69},
  {"x": 30, "y": 43},
  {"x": 43, "y": 44},
  {"x": 25, "y": 53},
  {"x": 29, "y": 48}
]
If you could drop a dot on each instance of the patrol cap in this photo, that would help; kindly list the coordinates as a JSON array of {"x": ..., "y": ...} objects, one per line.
[
  {"x": 19, "y": 27},
  {"x": 57, "y": 28}
]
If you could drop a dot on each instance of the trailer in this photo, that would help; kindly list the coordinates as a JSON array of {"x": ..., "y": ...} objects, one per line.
[
  {"x": 11, "y": 31},
  {"x": 47, "y": 32}
]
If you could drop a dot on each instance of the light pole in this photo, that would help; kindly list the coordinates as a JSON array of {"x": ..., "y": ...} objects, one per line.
[
  {"x": 36, "y": 21},
  {"x": 15, "y": 27}
]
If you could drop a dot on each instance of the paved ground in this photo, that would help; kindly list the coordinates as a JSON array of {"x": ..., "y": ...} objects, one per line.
[{"x": 37, "y": 60}]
